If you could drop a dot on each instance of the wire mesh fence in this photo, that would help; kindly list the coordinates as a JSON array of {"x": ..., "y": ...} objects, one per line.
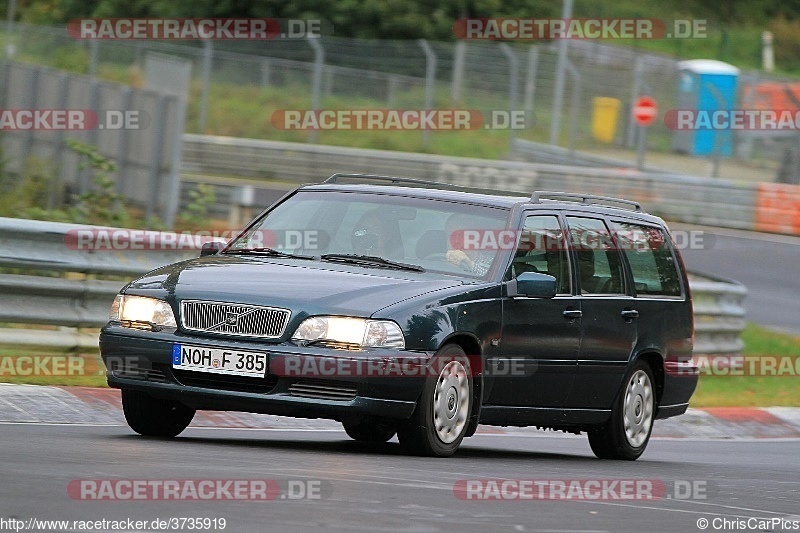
[{"x": 237, "y": 85}]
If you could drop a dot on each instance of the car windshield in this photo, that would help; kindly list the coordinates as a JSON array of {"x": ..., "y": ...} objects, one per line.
[{"x": 437, "y": 235}]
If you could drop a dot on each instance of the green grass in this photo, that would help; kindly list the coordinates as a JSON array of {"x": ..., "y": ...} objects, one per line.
[
  {"x": 55, "y": 367},
  {"x": 750, "y": 391}
]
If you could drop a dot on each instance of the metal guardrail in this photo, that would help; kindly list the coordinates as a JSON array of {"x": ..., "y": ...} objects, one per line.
[
  {"x": 707, "y": 201},
  {"x": 719, "y": 314},
  {"x": 57, "y": 289},
  {"x": 48, "y": 279}
]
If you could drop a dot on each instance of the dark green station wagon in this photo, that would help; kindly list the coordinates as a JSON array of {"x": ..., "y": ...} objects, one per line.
[{"x": 399, "y": 306}]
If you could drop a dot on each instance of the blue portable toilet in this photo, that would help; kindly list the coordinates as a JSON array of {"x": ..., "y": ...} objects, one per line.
[{"x": 705, "y": 85}]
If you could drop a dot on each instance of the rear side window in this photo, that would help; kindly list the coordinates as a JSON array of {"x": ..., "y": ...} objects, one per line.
[
  {"x": 651, "y": 260},
  {"x": 598, "y": 262}
]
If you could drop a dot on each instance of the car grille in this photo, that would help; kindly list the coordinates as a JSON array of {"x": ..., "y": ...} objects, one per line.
[
  {"x": 145, "y": 374},
  {"x": 322, "y": 390},
  {"x": 208, "y": 380},
  {"x": 234, "y": 319}
]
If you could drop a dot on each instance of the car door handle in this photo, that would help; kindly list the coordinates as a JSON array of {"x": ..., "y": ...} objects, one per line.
[
  {"x": 629, "y": 314},
  {"x": 572, "y": 314}
]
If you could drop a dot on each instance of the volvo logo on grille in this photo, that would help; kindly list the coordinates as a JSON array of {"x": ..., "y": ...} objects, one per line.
[{"x": 231, "y": 319}]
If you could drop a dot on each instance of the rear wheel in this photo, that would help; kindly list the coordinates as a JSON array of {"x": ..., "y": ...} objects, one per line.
[
  {"x": 154, "y": 417},
  {"x": 440, "y": 420},
  {"x": 627, "y": 432},
  {"x": 370, "y": 430}
]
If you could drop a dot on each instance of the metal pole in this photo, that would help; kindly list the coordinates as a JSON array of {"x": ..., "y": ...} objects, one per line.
[
  {"x": 641, "y": 132},
  {"x": 174, "y": 187},
  {"x": 558, "y": 89},
  {"x": 513, "y": 84},
  {"x": 636, "y": 89},
  {"x": 94, "y": 46},
  {"x": 530, "y": 79},
  {"x": 316, "y": 82},
  {"x": 574, "y": 104},
  {"x": 208, "y": 55},
  {"x": 641, "y": 141},
  {"x": 430, "y": 82},
  {"x": 155, "y": 159},
  {"x": 458, "y": 73},
  {"x": 10, "y": 15}
]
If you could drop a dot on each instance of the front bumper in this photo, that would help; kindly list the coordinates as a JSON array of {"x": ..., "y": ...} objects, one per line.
[{"x": 142, "y": 360}]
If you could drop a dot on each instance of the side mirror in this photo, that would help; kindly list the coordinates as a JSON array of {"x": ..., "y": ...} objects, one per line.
[
  {"x": 536, "y": 285},
  {"x": 211, "y": 248}
]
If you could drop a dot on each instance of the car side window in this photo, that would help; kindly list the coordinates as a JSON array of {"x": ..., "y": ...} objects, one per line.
[
  {"x": 650, "y": 258},
  {"x": 599, "y": 264},
  {"x": 542, "y": 248}
]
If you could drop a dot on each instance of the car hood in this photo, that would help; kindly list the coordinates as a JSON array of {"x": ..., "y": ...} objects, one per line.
[{"x": 305, "y": 287}]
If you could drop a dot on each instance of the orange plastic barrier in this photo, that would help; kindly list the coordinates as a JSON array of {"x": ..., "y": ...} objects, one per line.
[
  {"x": 778, "y": 208},
  {"x": 771, "y": 95}
]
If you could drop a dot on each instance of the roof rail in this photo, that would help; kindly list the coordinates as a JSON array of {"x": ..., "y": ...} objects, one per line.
[
  {"x": 392, "y": 179},
  {"x": 414, "y": 181},
  {"x": 538, "y": 196}
]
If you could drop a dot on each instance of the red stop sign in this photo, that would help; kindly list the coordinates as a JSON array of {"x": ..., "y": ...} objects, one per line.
[{"x": 644, "y": 110}]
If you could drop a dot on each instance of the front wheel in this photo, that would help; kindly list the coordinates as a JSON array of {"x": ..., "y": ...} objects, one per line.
[
  {"x": 440, "y": 420},
  {"x": 154, "y": 417},
  {"x": 627, "y": 432}
]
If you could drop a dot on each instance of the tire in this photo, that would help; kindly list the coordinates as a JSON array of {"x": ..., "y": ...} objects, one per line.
[
  {"x": 154, "y": 417},
  {"x": 626, "y": 434},
  {"x": 370, "y": 430},
  {"x": 441, "y": 418}
]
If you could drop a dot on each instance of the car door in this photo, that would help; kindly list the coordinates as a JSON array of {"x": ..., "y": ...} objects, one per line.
[
  {"x": 609, "y": 314},
  {"x": 540, "y": 337}
]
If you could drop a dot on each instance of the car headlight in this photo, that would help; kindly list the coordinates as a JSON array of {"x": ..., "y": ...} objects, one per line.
[
  {"x": 132, "y": 310},
  {"x": 350, "y": 331}
]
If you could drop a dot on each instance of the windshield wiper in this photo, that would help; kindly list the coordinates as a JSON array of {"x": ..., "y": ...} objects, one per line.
[
  {"x": 370, "y": 260},
  {"x": 271, "y": 252}
]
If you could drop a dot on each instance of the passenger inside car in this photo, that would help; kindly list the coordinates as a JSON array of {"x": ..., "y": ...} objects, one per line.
[{"x": 471, "y": 260}]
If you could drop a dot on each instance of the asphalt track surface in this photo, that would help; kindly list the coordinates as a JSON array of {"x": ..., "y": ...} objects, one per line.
[
  {"x": 767, "y": 264},
  {"x": 376, "y": 488}
]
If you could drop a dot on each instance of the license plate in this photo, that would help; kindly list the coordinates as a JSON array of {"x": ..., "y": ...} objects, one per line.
[{"x": 219, "y": 360}]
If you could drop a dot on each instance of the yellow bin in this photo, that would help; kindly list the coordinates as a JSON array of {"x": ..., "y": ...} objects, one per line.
[{"x": 604, "y": 118}]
